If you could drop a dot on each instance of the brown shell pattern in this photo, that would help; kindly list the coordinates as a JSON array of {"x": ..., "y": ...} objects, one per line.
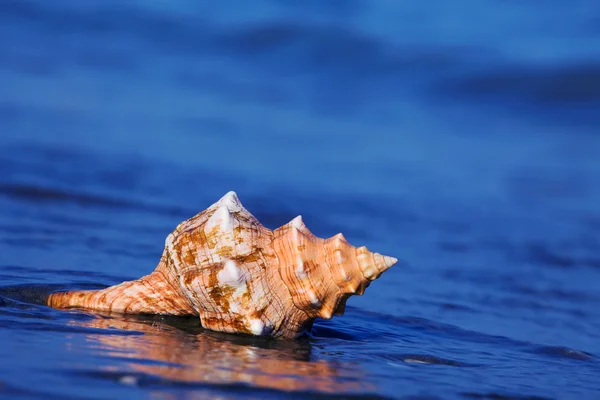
[{"x": 241, "y": 277}]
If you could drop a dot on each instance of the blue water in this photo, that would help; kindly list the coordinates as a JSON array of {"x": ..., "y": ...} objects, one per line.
[{"x": 462, "y": 138}]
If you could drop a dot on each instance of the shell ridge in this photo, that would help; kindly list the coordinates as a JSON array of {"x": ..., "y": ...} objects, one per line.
[
  {"x": 156, "y": 295},
  {"x": 326, "y": 261},
  {"x": 181, "y": 270},
  {"x": 348, "y": 265},
  {"x": 198, "y": 304},
  {"x": 265, "y": 283},
  {"x": 314, "y": 294},
  {"x": 169, "y": 283},
  {"x": 279, "y": 271},
  {"x": 358, "y": 251},
  {"x": 276, "y": 302},
  {"x": 340, "y": 292}
]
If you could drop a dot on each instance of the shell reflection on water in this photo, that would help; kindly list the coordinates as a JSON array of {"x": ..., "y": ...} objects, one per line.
[{"x": 190, "y": 354}]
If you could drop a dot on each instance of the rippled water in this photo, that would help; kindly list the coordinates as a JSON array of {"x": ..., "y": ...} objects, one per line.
[{"x": 462, "y": 139}]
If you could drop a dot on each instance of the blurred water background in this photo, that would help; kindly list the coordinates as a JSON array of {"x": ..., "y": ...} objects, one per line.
[{"x": 461, "y": 137}]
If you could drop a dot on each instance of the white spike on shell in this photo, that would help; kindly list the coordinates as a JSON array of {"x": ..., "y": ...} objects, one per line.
[
  {"x": 230, "y": 274},
  {"x": 239, "y": 276},
  {"x": 231, "y": 201}
]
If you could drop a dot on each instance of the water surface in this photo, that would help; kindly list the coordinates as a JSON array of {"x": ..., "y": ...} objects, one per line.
[{"x": 462, "y": 140}]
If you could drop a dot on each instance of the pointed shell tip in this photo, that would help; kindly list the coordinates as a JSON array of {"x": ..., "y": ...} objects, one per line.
[
  {"x": 340, "y": 236},
  {"x": 231, "y": 201},
  {"x": 389, "y": 261},
  {"x": 297, "y": 222}
]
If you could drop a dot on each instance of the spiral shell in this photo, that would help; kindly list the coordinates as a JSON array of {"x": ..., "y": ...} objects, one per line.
[{"x": 241, "y": 277}]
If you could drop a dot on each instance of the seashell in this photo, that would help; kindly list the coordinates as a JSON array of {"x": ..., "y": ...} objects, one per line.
[{"x": 241, "y": 277}]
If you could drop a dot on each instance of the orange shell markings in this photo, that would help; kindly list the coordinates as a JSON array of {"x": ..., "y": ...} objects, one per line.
[{"x": 241, "y": 277}]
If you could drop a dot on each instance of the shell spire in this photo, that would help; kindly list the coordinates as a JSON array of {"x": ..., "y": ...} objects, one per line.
[{"x": 241, "y": 277}]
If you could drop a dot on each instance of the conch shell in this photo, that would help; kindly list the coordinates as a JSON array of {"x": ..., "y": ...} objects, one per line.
[{"x": 241, "y": 277}]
